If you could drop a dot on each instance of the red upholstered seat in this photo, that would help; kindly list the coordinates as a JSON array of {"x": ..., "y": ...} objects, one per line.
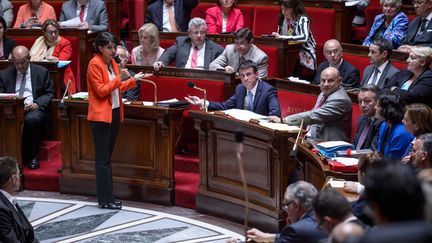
[
  {"x": 400, "y": 65},
  {"x": 136, "y": 14},
  {"x": 360, "y": 62},
  {"x": 200, "y": 10},
  {"x": 124, "y": 21},
  {"x": 166, "y": 43},
  {"x": 360, "y": 32},
  {"x": 292, "y": 103},
  {"x": 248, "y": 12},
  {"x": 354, "y": 118},
  {"x": 265, "y": 20},
  {"x": 272, "y": 54},
  {"x": 322, "y": 23},
  {"x": 411, "y": 17}
]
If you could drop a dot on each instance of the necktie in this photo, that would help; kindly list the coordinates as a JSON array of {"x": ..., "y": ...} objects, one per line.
[
  {"x": 81, "y": 14},
  {"x": 422, "y": 27},
  {"x": 22, "y": 86},
  {"x": 322, "y": 101},
  {"x": 194, "y": 60},
  {"x": 363, "y": 134},
  {"x": 250, "y": 101},
  {"x": 375, "y": 76},
  {"x": 172, "y": 22}
]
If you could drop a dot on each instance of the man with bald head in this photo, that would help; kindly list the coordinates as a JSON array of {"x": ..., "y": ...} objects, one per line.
[
  {"x": 330, "y": 119},
  {"x": 333, "y": 53},
  {"x": 33, "y": 83}
]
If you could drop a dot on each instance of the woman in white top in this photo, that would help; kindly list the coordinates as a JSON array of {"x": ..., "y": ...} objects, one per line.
[{"x": 149, "y": 51}]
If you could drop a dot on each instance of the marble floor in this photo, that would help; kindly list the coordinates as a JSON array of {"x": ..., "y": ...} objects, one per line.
[{"x": 69, "y": 218}]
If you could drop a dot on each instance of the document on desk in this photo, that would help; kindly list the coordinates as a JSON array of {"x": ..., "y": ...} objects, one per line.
[
  {"x": 351, "y": 3},
  {"x": 7, "y": 95},
  {"x": 346, "y": 161},
  {"x": 75, "y": 22},
  {"x": 244, "y": 115},
  {"x": 279, "y": 126}
]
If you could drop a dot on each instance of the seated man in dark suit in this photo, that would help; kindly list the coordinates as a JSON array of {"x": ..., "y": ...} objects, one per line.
[
  {"x": 333, "y": 53},
  {"x": 92, "y": 13},
  {"x": 32, "y": 82},
  {"x": 330, "y": 119},
  {"x": 420, "y": 29},
  {"x": 252, "y": 94},
  {"x": 192, "y": 51},
  {"x": 368, "y": 125},
  {"x": 170, "y": 15},
  {"x": 15, "y": 226},
  {"x": 381, "y": 69},
  {"x": 303, "y": 226}
]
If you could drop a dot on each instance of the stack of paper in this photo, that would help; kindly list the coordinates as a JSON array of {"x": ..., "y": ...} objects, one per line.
[
  {"x": 244, "y": 115},
  {"x": 279, "y": 126},
  {"x": 80, "y": 96}
]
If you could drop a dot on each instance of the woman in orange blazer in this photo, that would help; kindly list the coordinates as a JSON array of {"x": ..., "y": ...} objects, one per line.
[
  {"x": 224, "y": 18},
  {"x": 105, "y": 111}
]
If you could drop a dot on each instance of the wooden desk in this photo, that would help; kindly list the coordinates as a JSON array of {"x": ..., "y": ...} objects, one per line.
[
  {"x": 287, "y": 50},
  {"x": 11, "y": 123},
  {"x": 55, "y": 73},
  {"x": 85, "y": 42},
  {"x": 396, "y": 56},
  {"x": 267, "y": 168},
  {"x": 142, "y": 162}
]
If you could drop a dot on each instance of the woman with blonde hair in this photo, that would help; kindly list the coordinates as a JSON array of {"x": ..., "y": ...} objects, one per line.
[{"x": 149, "y": 51}]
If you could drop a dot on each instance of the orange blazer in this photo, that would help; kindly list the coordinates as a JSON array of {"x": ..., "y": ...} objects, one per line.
[{"x": 100, "y": 87}]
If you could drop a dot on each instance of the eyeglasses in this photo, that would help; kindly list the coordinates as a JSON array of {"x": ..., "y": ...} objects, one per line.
[
  {"x": 285, "y": 205},
  {"x": 335, "y": 52},
  {"x": 52, "y": 32},
  {"x": 196, "y": 33}
]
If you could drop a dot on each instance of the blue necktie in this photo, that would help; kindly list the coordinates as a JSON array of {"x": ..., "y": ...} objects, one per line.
[{"x": 250, "y": 101}]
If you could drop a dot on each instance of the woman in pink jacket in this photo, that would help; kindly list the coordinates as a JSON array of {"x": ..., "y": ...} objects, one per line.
[{"x": 224, "y": 18}]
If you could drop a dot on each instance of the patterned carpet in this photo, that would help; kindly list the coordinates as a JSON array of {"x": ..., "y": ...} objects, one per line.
[{"x": 78, "y": 221}]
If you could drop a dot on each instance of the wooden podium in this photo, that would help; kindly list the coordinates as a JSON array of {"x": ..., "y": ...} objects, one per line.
[
  {"x": 11, "y": 124},
  {"x": 267, "y": 168},
  {"x": 142, "y": 162}
]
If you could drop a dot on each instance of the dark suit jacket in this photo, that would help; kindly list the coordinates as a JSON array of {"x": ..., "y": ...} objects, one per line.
[
  {"x": 15, "y": 226},
  {"x": 303, "y": 231},
  {"x": 420, "y": 90},
  {"x": 97, "y": 15},
  {"x": 372, "y": 136},
  {"x": 42, "y": 85},
  {"x": 389, "y": 71},
  {"x": 411, "y": 37},
  {"x": 350, "y": 74},
  {"x": 265, "y": 100},
  {"x": 8, "y": 46},
  {"x": 181, "y": 49},
  {"x": 182, "y": 11},
  {"x": 414, "y": 231}
]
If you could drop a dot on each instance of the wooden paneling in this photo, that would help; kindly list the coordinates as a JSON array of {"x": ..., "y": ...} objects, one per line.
[{"x": 11, "y": 123}]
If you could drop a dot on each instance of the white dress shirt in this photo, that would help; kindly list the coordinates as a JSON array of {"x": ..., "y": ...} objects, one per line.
[{"x": 28, "y": 94}]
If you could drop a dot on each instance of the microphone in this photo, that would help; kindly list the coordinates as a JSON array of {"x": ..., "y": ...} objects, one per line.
[
  {"x": 65, "y": 92},
  {"x": 239, "y": 137},
  {"x": 192, "y": 85},
  {"x": 293, "y": 152},
  {"x": 117, "y": 59}
]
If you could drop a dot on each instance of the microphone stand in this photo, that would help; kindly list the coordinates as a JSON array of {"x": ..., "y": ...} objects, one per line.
[
  {"x": 293, "y": 152},
  {"x": 239, "y": 136},
  {"x": 155, "y": 88},
  {"x": 203, "y": 106},
  {"x": 66, "y": 92}
]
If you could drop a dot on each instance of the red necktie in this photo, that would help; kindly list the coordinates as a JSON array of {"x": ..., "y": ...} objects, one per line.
[
  {"x": 322, "y": 101},
  {"x": 82, "y": 11},
  {"x": 194, "y": 57},
  {"x": 363, "y": 135}
]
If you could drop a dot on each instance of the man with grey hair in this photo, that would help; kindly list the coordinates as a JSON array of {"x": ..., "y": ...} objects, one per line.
[
  {"x": 193, "y": 51},
  {"x": 123, "y": 54},
  {"x": 298, "y": 206},
  {"x": 421, "y": 153}
]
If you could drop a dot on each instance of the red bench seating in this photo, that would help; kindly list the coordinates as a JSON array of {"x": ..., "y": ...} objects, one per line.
[{"x": 265, "y": 20}]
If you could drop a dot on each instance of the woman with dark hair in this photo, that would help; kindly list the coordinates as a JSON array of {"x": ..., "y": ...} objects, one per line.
[
  {"x": 294, "y": 24},
  {"x": 224, "y": 18},
  {"x": 393, "y": 138},
  {"x": 6, "y": 44},
  {"x": 33, "y": 14},
  {"x": 52, "y": 47},
  {"x": 105, "y": 111}
]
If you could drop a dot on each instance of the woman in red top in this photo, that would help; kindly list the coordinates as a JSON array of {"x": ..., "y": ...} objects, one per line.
[
  {"x": 52, "y": 47},
  {"x": 224, "y": 18},
  {"x": 105, "y": 111}
]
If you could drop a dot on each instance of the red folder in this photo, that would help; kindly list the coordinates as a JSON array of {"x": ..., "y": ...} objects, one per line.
[{"x": 337, "y": 166}]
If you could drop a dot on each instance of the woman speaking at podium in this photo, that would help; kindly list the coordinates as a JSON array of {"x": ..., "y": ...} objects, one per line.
[{"x": 105, "y": 111}]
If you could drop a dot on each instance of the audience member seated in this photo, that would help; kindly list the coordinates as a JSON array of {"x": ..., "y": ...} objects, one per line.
[
  {"x": 252, "y": 94},
  {"x": 33, "y": 14},
  {"x": 333, "y": 53},
  {"x": 344, "y": 232},
  {"x": 53, "y": 47},
  {"x": 92, "y": 14},
  {"x": 393, "y": 138},
  {"x": 131, "y": 94},
  {"x": 32, "y": 82},
  {"x": 303, "y": 227},
  {"x": 242, "y": 49},
  {"x": 6, "y": 11},
  {"x": 420, "y": 29},
  {"x": 417, "y": 120},
  {"x": 368, "y": 125},
  {"x": 170, "y": 15},
  {"x": 294, "y": 24},
  {"x": 7, "y": 44},
  {"x": 330, "y": 119},
  {"x": 15, "y": 225},
  {"x": 224, "y": 18},
  {"x": 359, "y": 18},
  {"x": 391, "y": 25},
  {"x": 358, "y": 207},
  {"x": 414, "y": 84},
  {"x": 332, "y": 208},
  {"x": 381, "y": 69},
  {"x": 192, "y": 51},
  {"x": 149, "y": 51},
  {"x": 421, "y": 154}
]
